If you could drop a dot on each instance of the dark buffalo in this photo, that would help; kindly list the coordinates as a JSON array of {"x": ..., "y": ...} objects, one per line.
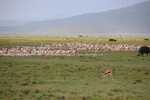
[{"x": 144, "y": 50}]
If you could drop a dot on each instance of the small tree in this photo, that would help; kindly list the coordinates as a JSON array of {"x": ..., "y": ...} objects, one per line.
[
  {"x": 80, "y": 36},
  {"x": 146, "y": 39},
  {"x": 112, "y": 40}
]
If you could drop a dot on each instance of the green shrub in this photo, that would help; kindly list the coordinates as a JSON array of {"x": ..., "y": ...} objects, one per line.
[
  {"x": 146, "y": 39},
  {"x": 112, "y": 40}
]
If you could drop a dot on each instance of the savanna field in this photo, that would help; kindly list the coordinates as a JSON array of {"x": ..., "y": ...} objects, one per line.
[{"x": 74, "y": 77}]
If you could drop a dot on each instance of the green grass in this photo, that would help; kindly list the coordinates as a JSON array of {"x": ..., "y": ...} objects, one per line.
[
  {"x": 75, "y": 78},
  {"x": 34, "y": 41}
]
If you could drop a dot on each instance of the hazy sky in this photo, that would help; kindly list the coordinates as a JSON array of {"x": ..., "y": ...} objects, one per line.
[{"x": 53, "y": 9}]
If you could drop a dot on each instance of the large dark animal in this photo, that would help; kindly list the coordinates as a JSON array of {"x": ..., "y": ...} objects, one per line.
[{"x": 144, "y": 50}]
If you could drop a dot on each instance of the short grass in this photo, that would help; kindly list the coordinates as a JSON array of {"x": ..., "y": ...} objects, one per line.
[
  {"x": 75, "y": 78},
  {"x": 8, "y": 41}
]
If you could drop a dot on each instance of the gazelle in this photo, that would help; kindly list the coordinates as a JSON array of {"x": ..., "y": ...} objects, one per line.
[{"x": 108, "y": 72}]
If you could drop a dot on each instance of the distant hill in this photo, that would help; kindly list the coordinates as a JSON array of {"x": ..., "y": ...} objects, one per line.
[{"x": 132, "y": 20}]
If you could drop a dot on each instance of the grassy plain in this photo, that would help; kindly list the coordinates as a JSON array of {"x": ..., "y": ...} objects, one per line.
[
  {"x": 6, "y": 41},
  {"x": 76, "y": 77}
]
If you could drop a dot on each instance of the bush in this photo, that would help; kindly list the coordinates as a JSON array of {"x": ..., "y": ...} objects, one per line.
[
  {"x": 146, "y": 39},
  {"x": 80, "y": 36},
  {"x": 112, "y": 40},
  {"x": 26, "y": 92}
]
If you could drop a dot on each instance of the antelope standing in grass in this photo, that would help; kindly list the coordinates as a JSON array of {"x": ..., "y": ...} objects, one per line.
[{"x": 108, "y": 72}]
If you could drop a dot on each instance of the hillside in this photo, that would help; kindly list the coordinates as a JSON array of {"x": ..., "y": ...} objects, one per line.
[{"x": 133, "y": 19}]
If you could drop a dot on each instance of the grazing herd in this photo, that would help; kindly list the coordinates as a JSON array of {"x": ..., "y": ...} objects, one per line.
[{"x": 70, "y": 49}]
